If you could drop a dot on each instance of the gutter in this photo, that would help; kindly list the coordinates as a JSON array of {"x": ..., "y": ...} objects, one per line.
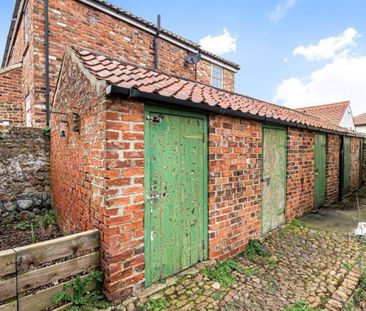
[
  {"x": 130, "y": 93},
  {"x": 14, "y": 26},
  {"x": 165, "y": 35}
]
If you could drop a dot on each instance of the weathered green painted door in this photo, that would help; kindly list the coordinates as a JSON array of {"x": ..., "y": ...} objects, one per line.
[
  {"x": 175, "y": 191},
  {"x": 273, "y": 178},
  {"x": 346, "y": 164},
  {"x": 320, "y": 178}
]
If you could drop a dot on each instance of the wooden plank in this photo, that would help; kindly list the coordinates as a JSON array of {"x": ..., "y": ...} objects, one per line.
[
  {"x": 7, "y": 262},
  {"x": 7, "y": 289},
  {"x": 11, "y": 306},
  {"x": 57, "y": 272},
  {"x": 58, "y": 248},
  {"x": 43, "y": 299},
  {"x": 320, "y": 161},
  {"x": 273, "y": 178}
]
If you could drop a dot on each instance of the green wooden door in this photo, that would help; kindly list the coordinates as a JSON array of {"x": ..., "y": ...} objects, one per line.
[
  {"x": 320, "y": 178},
  {"x": 346, "y": 164},
  {"x": 175, "y": 191},
  {"x": 273, "y": 178}
]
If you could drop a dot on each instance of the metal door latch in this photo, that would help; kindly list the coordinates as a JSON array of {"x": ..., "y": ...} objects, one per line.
[
  {"x": 266, "y": 180},
  {"x": 152, "y": 197},
  {"x": 155, "y": 119}
]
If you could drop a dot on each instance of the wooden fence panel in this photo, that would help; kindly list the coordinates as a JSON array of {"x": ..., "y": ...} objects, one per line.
[
  {"x": 7, "y": 262},
  {"x": 46, "y": 251},
  {"x": 8, "y": 289},
  {"x": 23, "y": 262},
  {"x": 57, "y": 272},
  {"x": 44, "y": 298}
]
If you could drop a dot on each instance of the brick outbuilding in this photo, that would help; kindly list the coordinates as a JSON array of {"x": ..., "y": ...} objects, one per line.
[{"x": 174, "y": 171}]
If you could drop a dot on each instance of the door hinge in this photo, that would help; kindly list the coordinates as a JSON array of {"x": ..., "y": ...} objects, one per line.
[
  {"x": 152, "y": 197},
  {"x": 155, "y": 119}
]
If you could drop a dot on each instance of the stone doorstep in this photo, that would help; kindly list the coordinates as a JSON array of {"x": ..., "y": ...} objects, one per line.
[
  {"x": 153, "y": 291},
  {"x": 345, "y": 291}
]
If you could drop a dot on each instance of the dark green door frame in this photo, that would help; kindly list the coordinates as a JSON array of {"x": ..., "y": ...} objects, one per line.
[
  {"x": 320, "y": 162},
  {"x": 175, "y": 190}
]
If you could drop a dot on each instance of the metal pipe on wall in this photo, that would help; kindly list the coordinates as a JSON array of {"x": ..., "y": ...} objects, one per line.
[{"x": 47, "y": 60}]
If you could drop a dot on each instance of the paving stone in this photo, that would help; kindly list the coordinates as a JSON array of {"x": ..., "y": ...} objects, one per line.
[{"x": 304, "y": 264}]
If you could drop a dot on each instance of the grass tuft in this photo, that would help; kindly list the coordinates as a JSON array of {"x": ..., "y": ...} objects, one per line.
[
  {"x": 255, "y": 249},
  {"x": 221, "y": 272}
]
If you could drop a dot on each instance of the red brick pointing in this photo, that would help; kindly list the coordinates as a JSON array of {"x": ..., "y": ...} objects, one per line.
[
  {"x": 11, "y": 96},
  {"x": 300, "y": 173},
  {"x": 333, "y": 153},
  {"x": 72, "y": 22},
  {"x": 355, "y": 164},
  {"x": 235, "y": 154}
]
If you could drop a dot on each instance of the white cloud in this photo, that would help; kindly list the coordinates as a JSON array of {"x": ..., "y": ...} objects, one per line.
[
  {"x": 281, "y": 10},
  {"x": 342, "y": 79},
  {"x": 220, "y": 44},
  {"x": 329, "y": 47}
]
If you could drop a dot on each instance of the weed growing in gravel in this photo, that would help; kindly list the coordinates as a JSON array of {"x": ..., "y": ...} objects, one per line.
[
  {"x": 347, "y": 266},
  {"x": 180, "y": 279},
  {"x": 155, "y": 305},
  {"x": 218, "y": 295},
  {"x": 248, "y": 271},
  {"x": 24, "y": 225},
  {"x": 255, "y": 249},
  {"x": 270, "y": 262},
  {"x": 221, "y": 272},
  {"x": 359, "y": 295},
  {"x": 301, "y": 306},
  {"x": 48, "y": 218},
  {"x": 297, "y": 223},
  {"x": 75, "y": 292},
  {"x": 33, "y": 234}
]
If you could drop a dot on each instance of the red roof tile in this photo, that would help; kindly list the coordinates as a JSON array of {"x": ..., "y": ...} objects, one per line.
[
  {"x": 149, "y": 81},
  {"x": 360, "y": 119},
  {"x": 330, "y": 112}
]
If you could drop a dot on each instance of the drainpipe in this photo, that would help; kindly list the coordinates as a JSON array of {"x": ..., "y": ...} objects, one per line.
[
  {"x": 47, "y": 61},
  {"x": 156, "y": 44}
]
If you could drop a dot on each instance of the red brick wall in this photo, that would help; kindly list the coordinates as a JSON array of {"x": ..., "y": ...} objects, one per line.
[
  {"x": 73, "y": 23},
  {"x": 300, "y": 172},
  {"x": 125, "y": 196},
  {"x": 77, "y": 160},
  {"x": 355, "y": 164},
  {"x": 235, "y": 154},
  {"x": 364, "y": 162},
  {"x": 97, "y": 175},
  {"x": 333, "y": 153},
  {"x": 11, "y": 96}
]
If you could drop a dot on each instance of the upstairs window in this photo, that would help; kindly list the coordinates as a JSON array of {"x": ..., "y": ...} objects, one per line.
[
  {"x": 216, "y": 76},
  {"x": 28, "y": 115}
]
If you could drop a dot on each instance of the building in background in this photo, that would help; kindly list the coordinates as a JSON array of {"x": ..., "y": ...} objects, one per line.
[
  {"x": 360, "y": 123},
  {"x": 40, "y": 31},
  {"x": 337, "y": 113}
]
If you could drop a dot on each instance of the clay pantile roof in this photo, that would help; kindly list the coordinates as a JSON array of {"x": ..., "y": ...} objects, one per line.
[
  {"x": 360, "y": 119},
  {"x": 330, "y": 112},
  {"x": 126, "y": 76}
]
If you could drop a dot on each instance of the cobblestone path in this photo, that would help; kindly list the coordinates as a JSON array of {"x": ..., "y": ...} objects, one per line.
[{"x": 301, "y": 264}]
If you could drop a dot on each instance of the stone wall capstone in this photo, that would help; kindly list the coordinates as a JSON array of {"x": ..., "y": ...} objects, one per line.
[{"x": 24, "y": 173}]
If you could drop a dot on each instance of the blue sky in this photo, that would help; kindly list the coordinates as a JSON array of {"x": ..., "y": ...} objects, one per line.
[{"x": 277, "y": 43}]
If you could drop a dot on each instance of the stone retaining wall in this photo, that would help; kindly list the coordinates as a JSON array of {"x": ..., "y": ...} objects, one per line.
[{"x": 24, "y": 173}]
